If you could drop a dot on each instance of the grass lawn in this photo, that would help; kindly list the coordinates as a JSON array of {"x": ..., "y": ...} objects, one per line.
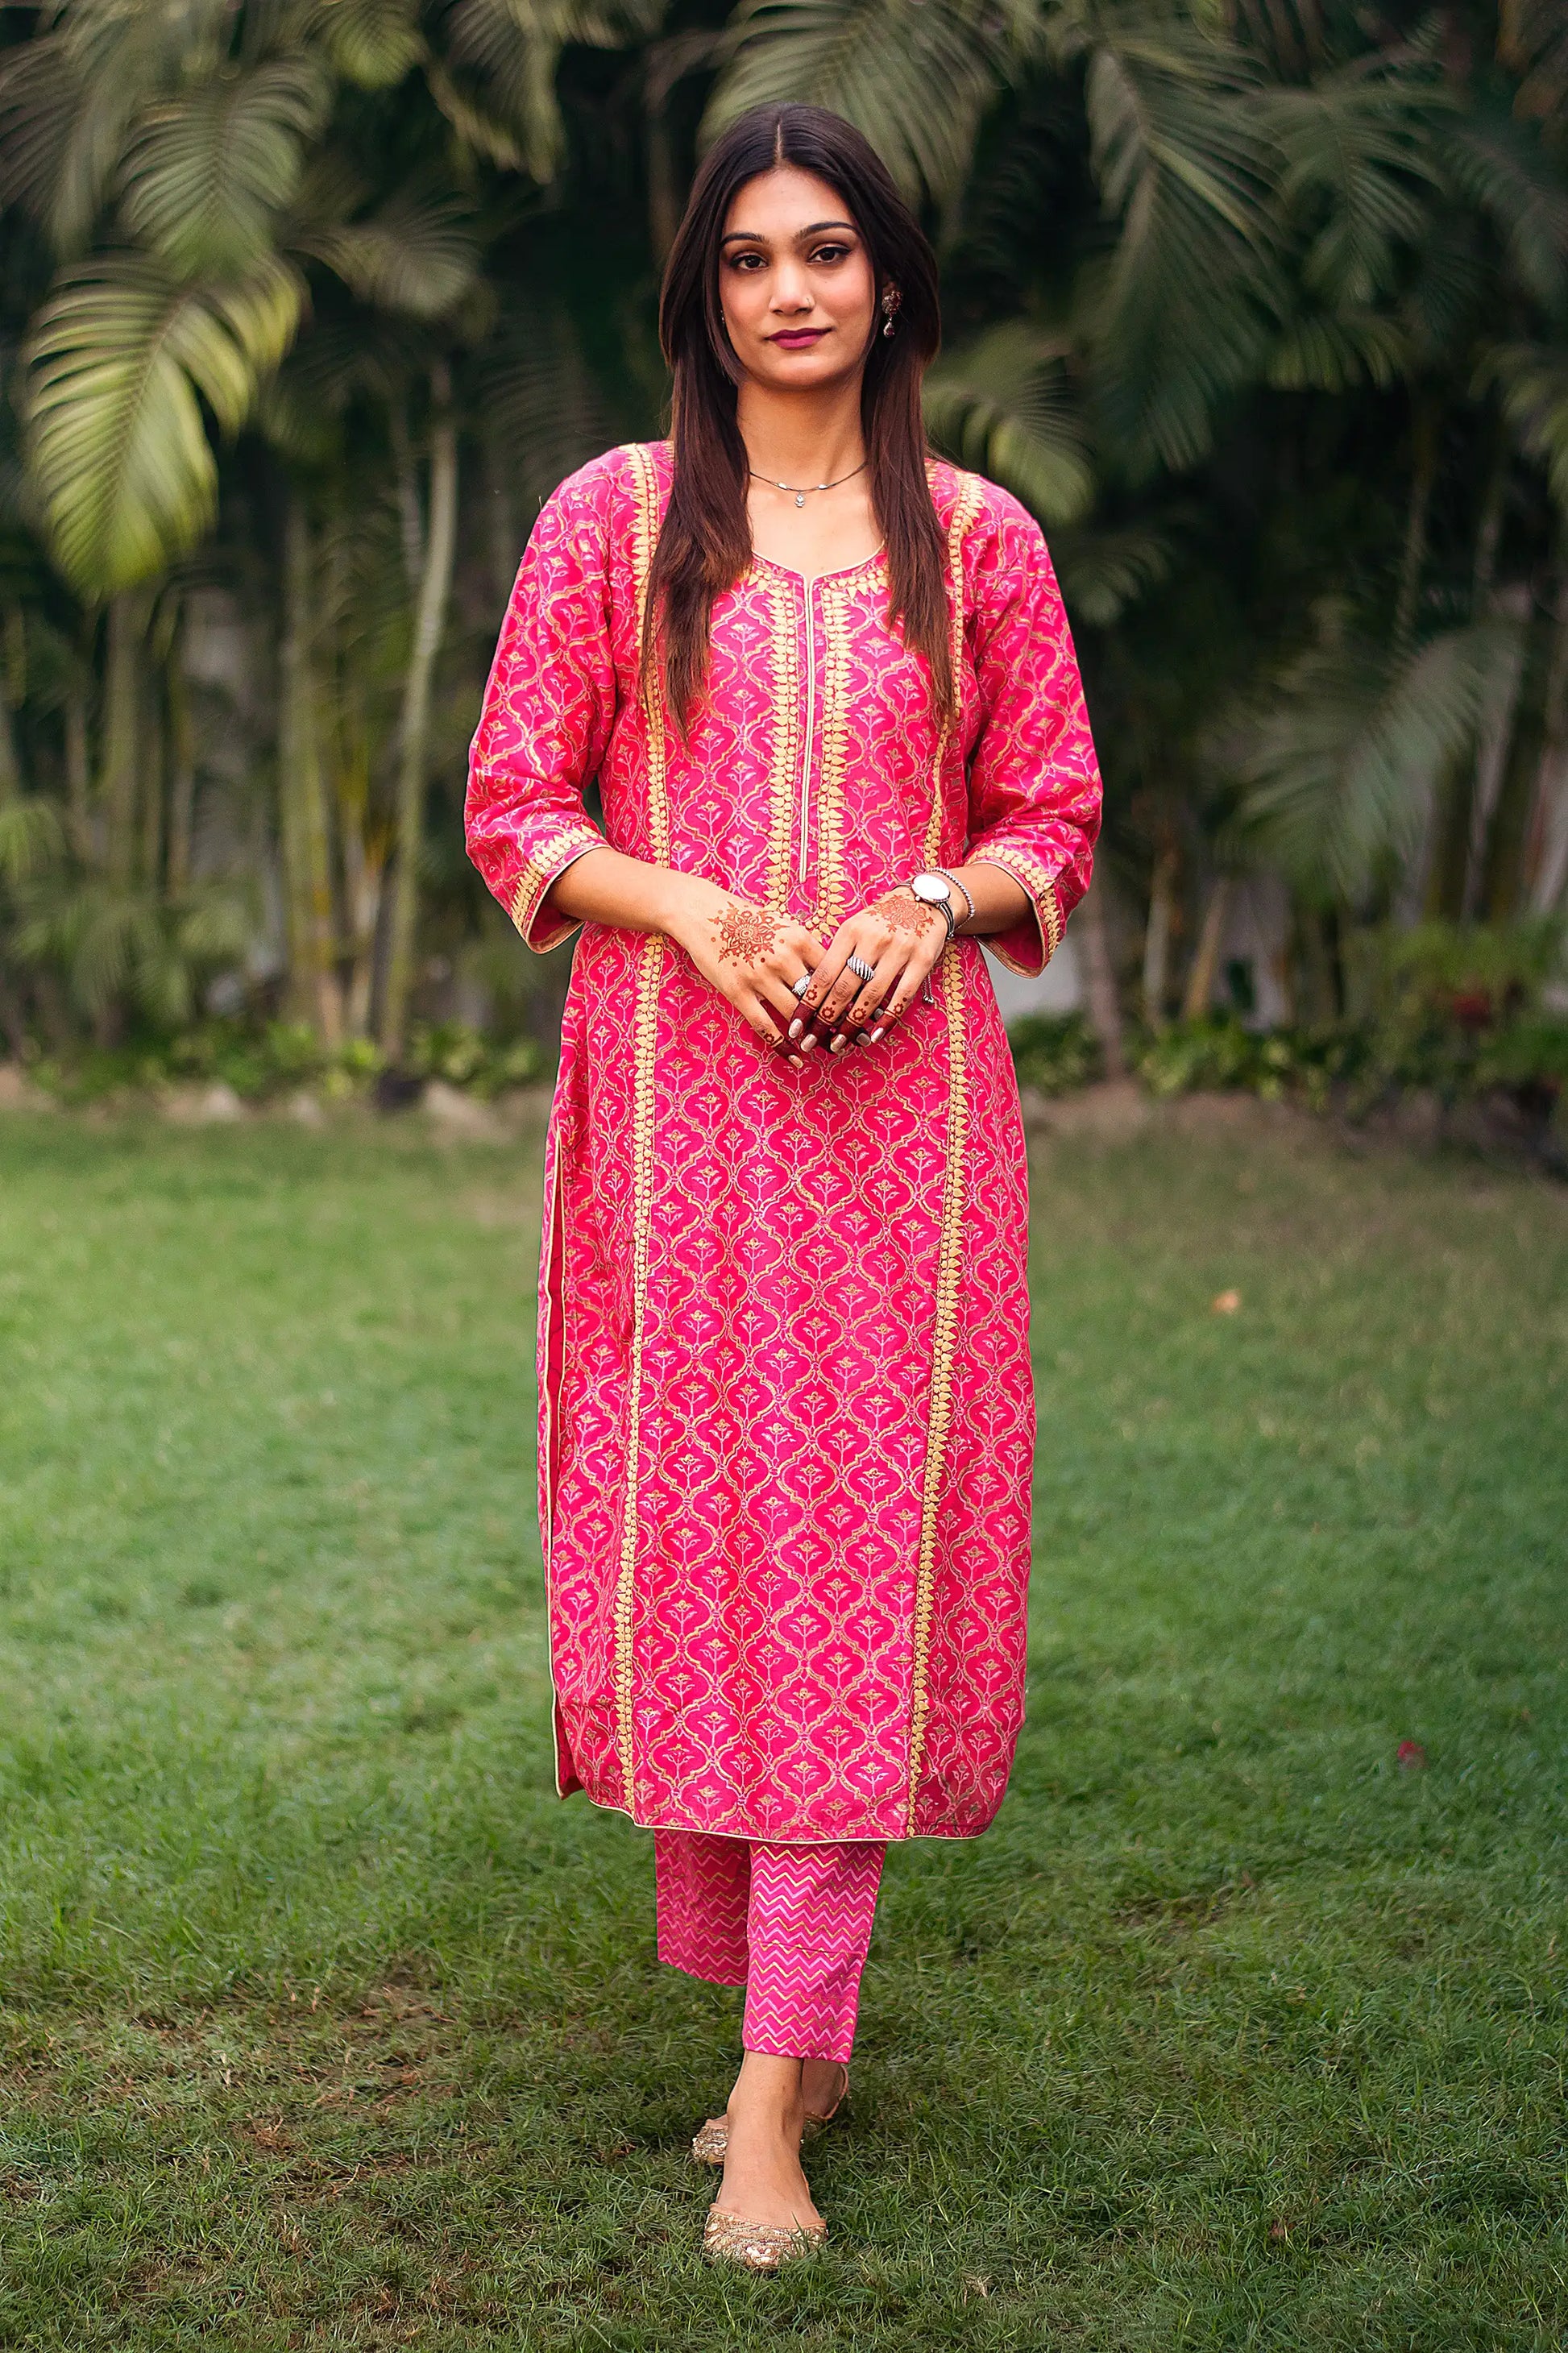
[{"x": 324, "y": 2024}]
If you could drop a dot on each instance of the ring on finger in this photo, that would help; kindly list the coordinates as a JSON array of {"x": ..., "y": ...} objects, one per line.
[
  {"x": 860, "y": 968},
  {"x": 798, "y": 987}
]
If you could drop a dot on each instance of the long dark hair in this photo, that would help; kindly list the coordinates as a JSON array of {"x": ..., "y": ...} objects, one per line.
[{"x": 705, "y": 542}]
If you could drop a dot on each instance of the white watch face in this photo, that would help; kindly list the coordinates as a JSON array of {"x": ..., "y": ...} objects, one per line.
[{"x": 933, "y": 888}]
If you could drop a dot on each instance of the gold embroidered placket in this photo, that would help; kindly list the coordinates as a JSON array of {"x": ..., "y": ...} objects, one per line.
[
  {"x": 651, "y": 968},
  {"x": 944, "y": 1331},
  {"x": 829, "y": 912},
  {"x": 784, "y": 665}
]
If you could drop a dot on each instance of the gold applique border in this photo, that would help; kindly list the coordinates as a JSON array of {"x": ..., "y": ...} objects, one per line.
[
  {"x": 783, "y": 667},
  {"x": 545, "y": 866},
  {"x": 1041, "y": 887},
  {"x": 829, "y": 912},
  {"x": 645, "y": 1039},
  {"x": 949, "y": 1248}
]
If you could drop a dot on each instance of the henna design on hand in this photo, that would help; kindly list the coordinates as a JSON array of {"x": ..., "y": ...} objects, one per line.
[
  {"x": 744, "y": 933},
  {"x": 901, "y": 912}
]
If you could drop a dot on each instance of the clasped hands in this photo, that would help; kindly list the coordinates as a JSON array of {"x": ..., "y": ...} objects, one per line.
[{"x": 756, "y": 958}]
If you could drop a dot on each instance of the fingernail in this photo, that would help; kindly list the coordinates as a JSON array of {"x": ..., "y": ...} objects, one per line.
[
  {"x": 807, "y": 1046},
  {"x": 876, "y": 1037},
  {"x": 795, "y": 1062},
  {"x": 796, "y": 1027},
  {"x": 839, "y": 1045}
]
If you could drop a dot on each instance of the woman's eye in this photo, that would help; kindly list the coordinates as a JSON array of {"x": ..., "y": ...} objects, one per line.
[
  {"x": 748, "y": 261},
  {"x": 830, "y": 253}
]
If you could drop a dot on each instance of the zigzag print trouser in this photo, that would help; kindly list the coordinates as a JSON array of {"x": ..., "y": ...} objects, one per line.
[{"x": 789, "y": 1923}]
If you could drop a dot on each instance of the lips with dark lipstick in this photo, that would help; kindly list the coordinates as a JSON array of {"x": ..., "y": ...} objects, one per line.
[{"x": 798, "y": 339}]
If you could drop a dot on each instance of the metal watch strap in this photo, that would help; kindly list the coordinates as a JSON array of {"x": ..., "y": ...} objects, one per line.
[{"x": 959, "y": 884}]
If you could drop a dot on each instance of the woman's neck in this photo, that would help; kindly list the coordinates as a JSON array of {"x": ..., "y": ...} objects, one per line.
[{"x": 801, "y": 437}]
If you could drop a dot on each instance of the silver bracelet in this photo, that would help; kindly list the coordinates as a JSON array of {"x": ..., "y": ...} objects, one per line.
[{"x": 959, "y": 884}]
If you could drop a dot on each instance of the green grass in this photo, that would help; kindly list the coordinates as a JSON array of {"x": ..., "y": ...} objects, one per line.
[{"x": 324, "y": 2024}]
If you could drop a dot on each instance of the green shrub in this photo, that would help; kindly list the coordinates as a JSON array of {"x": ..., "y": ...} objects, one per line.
[{"x": 1054, "y": 1053}]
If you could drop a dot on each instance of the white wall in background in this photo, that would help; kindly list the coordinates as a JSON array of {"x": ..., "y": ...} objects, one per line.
[{"x": 1057, "y": 989}]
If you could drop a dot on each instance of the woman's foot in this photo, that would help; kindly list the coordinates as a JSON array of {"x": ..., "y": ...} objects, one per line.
[
  {"x": 763, "y": 2177},
  {"x": 825, "y": 2084}
]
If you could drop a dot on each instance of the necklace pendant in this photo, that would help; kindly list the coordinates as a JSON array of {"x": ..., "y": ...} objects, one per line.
[{"x": 800, "y": 498}]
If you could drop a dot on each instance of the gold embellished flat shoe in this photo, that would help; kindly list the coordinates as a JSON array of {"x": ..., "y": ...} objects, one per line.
[
  {"x": 711, "y": 2144},
  {"x": 758, "y": 2246}
]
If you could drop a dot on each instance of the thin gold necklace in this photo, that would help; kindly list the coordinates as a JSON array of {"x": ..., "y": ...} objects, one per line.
[{"x": 800, "y": 496}]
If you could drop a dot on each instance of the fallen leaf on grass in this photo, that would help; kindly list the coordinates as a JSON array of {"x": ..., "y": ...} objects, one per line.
[
  {"x": 1227, "y": 1304},
  {"x": 1411, "y": 1756}
]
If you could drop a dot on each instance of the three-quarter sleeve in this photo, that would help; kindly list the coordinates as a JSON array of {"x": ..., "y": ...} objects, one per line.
[
  {"x": 1034, "y": 780},
  {"x": 547, "y": 714}
]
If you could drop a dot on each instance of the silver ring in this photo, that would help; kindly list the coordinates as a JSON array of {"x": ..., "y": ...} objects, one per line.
[
  {"x": 860, "y": 968},
  {"x": 798, "y": 987}
]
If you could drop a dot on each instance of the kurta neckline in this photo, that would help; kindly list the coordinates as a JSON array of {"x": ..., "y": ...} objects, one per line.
[{"x": 811, "y": 580}]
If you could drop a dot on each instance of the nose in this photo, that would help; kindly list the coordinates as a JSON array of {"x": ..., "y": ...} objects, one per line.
[{"x": 791, "y": 290}]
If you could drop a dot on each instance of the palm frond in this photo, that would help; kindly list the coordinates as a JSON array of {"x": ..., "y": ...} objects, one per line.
[
  {"x": 1102, "y": 573},
  {"x": 1497, "y": 167},
  {"x": 374, "y": 44},
  {"x": 1186, "y": 309},
  {"x": 205, "y": 175},
  {"x": 1339, "y": 773},
  {"x": 415, "y": 255},
  {"x": 914, "y": 75},
  {"x": 119, "y": 59},
  {"x": 1359, "y": 172},
  {"x": 1329, "y": 353},
  {"x": 120, "y": 358},
  {"x": 1532, "y": 380},
  {"x": 500, "y": 94},
  {"x": 31, "y": 836},
  {"x": 1002, "y": 405},
  {"x": 540, "y": 401}
]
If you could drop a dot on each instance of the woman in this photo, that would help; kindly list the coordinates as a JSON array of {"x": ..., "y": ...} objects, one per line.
[{"x": 826, "y": 688}]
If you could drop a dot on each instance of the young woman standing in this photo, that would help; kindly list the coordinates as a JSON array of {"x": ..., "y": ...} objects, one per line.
[{"x": 826, "y": 687}]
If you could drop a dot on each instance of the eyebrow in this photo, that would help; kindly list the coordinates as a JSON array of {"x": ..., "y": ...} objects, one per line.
[{"x": 755, "y": 237}]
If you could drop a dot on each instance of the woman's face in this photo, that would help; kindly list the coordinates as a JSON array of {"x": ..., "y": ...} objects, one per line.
[{"x": 795, "y": 282}]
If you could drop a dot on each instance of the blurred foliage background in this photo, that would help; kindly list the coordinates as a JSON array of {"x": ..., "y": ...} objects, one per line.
[{"x": 1261, "y": 306}]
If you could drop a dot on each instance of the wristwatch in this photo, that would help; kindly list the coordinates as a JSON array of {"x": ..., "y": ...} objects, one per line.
[{"x": 935, "y": 890}]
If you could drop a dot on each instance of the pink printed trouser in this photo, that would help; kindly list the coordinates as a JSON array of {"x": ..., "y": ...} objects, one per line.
[{"x": 789, "y": 1923}]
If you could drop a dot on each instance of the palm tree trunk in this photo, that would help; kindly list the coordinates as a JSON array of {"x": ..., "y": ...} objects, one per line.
[
  {"x": 15, "y": 687},
  {"x": 182, "y": 769},
  {"x": 10, "y": 765},
  {"x": 1206, "y": 962},
  {"x": 78, "y": 771},
  {"x": 411, "y": 522},
  {"x": 121, "y": 733},
  {"x": 414, "y": 732},
  {"x": 501, "y": 536},
  {"x": 149, "y": 766},
  {"x": 1157, "y": 936},
  {"x": 307, "y": 855},
  {"x": 1546, "y": 846},
  {"x": 1425, "y": 430},
  {"x": 1099, "y": 981}
]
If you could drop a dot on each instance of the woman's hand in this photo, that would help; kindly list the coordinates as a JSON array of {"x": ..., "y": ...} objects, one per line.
[
  {"x": 902, "y": 940},
  {"x": 750, "y": 954}
]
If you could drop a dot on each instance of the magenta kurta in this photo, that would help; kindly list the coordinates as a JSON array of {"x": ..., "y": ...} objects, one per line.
[{"x": 786, "y": 1421}]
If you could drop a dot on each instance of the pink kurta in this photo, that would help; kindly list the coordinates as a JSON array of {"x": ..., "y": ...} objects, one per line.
[{"x": 787, "y": 1419}]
